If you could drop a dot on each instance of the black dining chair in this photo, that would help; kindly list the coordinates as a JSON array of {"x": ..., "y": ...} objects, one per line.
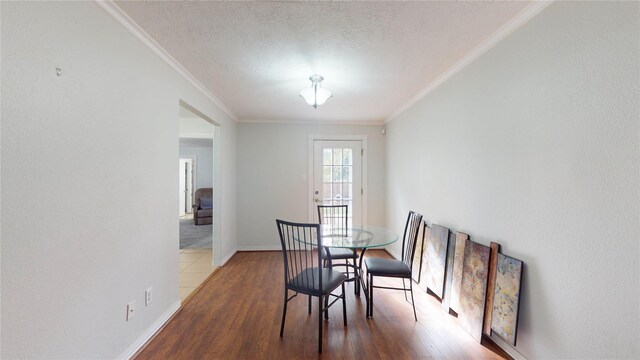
[
  {"x": 396, "y": 268},
  {"x": 334, "y": 221},
  {"x": 303, "y": 272}
]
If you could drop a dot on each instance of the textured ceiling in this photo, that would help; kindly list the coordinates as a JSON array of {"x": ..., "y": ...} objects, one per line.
[{"x": 375, "y": 56}]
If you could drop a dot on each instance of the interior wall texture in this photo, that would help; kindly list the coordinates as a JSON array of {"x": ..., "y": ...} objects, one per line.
[
  {"x": 273, "y": 177},
  {"x": 536, "y": 146},
  {"x": 84, "y": 231}
]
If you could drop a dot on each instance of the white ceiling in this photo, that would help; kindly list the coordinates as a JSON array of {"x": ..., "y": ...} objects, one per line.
[{"x": 375, "y": 56}]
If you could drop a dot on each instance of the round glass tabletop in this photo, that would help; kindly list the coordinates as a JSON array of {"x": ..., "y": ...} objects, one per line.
[{"x": 359, "y": 237}]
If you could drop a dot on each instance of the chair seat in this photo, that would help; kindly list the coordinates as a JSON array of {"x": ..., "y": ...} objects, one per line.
[
  {"x": 307, "y": 281},
  {"x": 339, "y": 254},
  {"x": 387, "y": 267}
]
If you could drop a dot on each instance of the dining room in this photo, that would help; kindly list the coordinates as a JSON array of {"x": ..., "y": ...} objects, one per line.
[{"x": 392, "y": 180}]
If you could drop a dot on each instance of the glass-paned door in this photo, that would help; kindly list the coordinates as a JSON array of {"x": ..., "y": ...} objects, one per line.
[{"x": 337, "y": 177}]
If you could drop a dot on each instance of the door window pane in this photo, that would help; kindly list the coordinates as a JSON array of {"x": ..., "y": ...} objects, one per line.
[
  {"x": 337, "y": 194},
  {"x": 326, "y": 157},
  {"x": 337, "y": 174},
  {"x": 346, "y": 174},
  {"x": 347, "y": 157},
  {"x": 337, "y": 177},
  {"x": 337, "y": 156},
  {"x": 347, "y": 192},
  {"x": 326, "y": 174}
]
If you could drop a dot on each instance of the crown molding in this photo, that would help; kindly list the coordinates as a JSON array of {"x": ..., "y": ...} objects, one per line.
[
  {"x": 312, "y": 122},
  {"x": 505, "y": 30},
  {"x": 120, "y": 16}
]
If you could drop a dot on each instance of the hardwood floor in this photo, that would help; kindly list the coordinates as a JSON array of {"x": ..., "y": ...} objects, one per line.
[{"x": 237, "y": 313}]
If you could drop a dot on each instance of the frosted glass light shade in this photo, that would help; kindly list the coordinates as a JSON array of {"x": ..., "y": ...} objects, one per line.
[
  {"x": 322, "y": 95},
  {"x": 315, "y": 95},
  {"x": 308, "y": 95}
]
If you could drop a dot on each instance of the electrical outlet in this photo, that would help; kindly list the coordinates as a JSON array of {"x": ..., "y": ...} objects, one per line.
[
  {"x": 131, "y": 307},
  {"x": 148, "y": 298}
]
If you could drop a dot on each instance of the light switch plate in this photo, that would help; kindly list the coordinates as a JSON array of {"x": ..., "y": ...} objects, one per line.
[
  {"x": 131, "y": 307},
  {"x": 148, "y": 298}
]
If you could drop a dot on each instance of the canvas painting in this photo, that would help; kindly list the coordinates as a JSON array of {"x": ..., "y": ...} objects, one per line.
[
  {"x": 456, "y": 282},
  {"x": 426, "y": 232},
  {"x": 448, "y": 275},
  {"x": 417, "y": 258},
  {"x": 506, "y": 300},
  {"x": 491, "y": 283},
  {"x": 436, "y": 249},
  {"x": 473, "y": 291}
]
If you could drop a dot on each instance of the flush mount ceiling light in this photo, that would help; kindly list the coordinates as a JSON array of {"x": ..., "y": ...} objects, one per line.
[{"x": 315, "y": 95}]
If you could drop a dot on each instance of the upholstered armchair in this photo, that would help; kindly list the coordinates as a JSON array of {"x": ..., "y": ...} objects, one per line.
[{"x": 203, "y": 206}]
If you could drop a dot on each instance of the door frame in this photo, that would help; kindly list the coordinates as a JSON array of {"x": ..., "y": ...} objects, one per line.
[
  {"x": 217, "y": 170},
  {"x": 194, "y": 186},
  {"x": 363, "y": 139}
]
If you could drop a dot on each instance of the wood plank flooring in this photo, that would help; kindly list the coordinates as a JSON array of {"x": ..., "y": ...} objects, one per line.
[{"x": 236, "y": 315}]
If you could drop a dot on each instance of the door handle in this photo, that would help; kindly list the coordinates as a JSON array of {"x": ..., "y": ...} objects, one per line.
[{"x": 317, "y": 200}]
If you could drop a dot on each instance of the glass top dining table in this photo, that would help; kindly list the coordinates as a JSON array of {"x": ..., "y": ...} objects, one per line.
[{"x": 357, "y": 237}]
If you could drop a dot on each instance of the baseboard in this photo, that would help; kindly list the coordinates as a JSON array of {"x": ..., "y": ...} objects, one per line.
[
  {"x": 228, "y": 257},
  {"x": 150, "y": 333},
  {"x": 506, "y": 347},
  {"x": 390, "y": 254},
  {"x": 260, "y": 248}
]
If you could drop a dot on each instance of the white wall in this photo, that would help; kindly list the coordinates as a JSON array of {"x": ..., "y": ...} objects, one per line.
[
  {"x": 536, "y": 146},
  {"x": 83, "y": 230},
  {"x": 273, "y": 158},
  {"x": 194, "y": 127},
  {"x": 204, "y": 163}
]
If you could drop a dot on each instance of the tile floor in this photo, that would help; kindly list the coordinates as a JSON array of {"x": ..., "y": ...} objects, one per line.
[{"x": 195, "y": 267}]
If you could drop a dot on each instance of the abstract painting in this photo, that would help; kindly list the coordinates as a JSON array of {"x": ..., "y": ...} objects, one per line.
[
  {"x": 491, "y": 283},
  {"x": 506, "y": 300},
  {"x": 426, "y": 232},
  {"x": 473, "y": 291},
  {"x": 436, "y": 249},
  {"x": 461, "y": 240},
  {"x": 448, "y": 275}
]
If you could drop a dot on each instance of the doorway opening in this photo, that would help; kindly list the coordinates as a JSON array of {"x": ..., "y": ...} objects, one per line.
[{"x": 198, "y": 209}]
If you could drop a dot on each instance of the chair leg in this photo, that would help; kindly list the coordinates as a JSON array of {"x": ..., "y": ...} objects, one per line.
[
  {"x": 371, "y": 297},
  {"x": 366, "y": 296},
  {"x": 413, "y": 302},
  {"x": 284, "y": 313},
  {"x": 326, "y": 307},
  {"x": 309, "y": 304},
  {"x": 356, "y": 272},
  {"x": 404, "y": 286},
  {"x": 344, "y": 306},
  {"x": 320, "y": 299}
]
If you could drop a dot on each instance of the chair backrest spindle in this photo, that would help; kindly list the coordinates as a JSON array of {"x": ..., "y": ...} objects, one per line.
[
  {"x": 334, "y": 219},
  {"x": 410, "y": 237},
  {"x": 299, "y": 250}
]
